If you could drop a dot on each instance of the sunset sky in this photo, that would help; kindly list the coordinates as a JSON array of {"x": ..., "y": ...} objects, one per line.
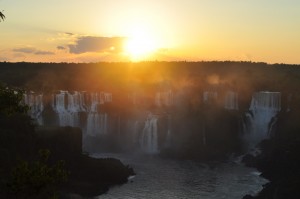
[{"x": 163, "y": 30}]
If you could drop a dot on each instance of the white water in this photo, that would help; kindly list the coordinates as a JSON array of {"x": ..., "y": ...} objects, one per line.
[
  {"x": 264, "y": 106},
  {"x": 68, "y": 107},
  {"x": 35, "y": 103},
  {"x": 67, "y": 113},
  {"x": 231, "y": 101},
  {"x": 96, "y": 124},
  {"x": 148, "y": 139}
]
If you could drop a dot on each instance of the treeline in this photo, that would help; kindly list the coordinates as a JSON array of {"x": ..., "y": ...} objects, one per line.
[{"x": 151, "y": 75}]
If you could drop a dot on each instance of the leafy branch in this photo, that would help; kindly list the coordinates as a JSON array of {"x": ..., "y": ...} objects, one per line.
[{"x": 2, "y": 16}]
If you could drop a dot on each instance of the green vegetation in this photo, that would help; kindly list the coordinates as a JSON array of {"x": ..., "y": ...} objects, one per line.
[
  {"x": 24, "y": 175},
  {"x": 37, "y": 179},
  {"x": 29, "y": 178},
  {"x": 11, "y": 101},
  {"x": 2, "y": 16}
]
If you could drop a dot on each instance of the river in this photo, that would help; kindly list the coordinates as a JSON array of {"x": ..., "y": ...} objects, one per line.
[{"x": 168, "y": 178}]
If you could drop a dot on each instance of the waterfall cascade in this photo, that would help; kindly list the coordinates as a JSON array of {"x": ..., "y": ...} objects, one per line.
[
  {"x": 231, "y": 101},
  {"x": 35, "y": 103},
  {"x": 264, "y": 107},
  {"x": 82, "y": 109},
  {"x": 68, "y": 106},
  {"x": 149, "y": 139},
  {"x": 96, "y": 121},
  {"x": 96, "y": 124}
]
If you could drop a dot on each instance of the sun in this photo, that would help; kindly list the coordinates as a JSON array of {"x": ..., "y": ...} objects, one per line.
[{"x": 140, "y": 45}]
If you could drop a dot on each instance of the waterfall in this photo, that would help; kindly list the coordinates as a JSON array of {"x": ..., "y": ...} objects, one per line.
[
  {"x": 76, "y": 102},
  {"x": 96, "y": 121},
  {"x": 35, "y": 103},
  {"x": 96, "y": 124},
  {"x": 148, "y": 139},
  {"x": 264, "y": 107},
  {"x": 67, "y": 106},
  {"x": 169, "y": 132},
  {"x": 231, "y": 101}
]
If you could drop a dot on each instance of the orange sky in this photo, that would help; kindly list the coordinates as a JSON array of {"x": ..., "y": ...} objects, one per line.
[{"x": 165, "y": 30}]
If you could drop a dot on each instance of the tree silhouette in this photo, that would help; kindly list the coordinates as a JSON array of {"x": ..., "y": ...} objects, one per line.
[{"x": 2, "y": 16}]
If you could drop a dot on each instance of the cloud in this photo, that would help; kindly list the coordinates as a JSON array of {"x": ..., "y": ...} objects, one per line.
[
  {"x": 97, "y": 44},
  {"x": 31, "y": 50},
  {"x": 40, "y": 52},
  {"x": 60, "y": 48},
  {"x": 25, "y": 50},
  {"x": 69, "y": 33}
]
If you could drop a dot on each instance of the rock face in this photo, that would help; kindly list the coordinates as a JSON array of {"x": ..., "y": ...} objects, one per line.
[
  {"x": 88, "y": 176},
  {"x": 280, "y": 158}
]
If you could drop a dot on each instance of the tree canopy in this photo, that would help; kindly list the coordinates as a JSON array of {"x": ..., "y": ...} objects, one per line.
[
  {"x": 11, "y": 100},
  {"x": 2, "y": 16}
]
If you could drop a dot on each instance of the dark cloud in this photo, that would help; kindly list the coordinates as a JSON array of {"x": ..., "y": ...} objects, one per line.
[
  {"x": 60, "y": 48},
  {"x": 31, "y": 50},
  {"x": 69, "y": 33},
  {"x": 97, "y": 44},
  {"x": 40, "y": 52},
  {"x": 24, "y": 50}
]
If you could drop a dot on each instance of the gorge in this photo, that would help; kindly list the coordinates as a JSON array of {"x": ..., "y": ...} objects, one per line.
[{"x": 161, "y": 117}]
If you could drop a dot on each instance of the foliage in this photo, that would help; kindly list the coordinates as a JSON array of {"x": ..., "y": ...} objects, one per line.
[
  {"x": 11, "y": 101},
  {"x": 37, "y": 179},
  {"x": 29, "y": 179},
  {"x": 2, "y": 16},
  {"x": 16, "y": 127}
]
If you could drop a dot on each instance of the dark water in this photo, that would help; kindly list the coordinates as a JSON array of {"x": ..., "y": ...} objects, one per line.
[{"x": 164, "y": 178}]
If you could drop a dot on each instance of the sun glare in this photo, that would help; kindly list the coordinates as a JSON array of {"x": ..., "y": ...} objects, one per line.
[{"x": 140, "y": 45}]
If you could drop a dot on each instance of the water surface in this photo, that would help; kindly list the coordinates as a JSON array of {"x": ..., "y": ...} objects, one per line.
[{"x": 164, "y": 178}]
